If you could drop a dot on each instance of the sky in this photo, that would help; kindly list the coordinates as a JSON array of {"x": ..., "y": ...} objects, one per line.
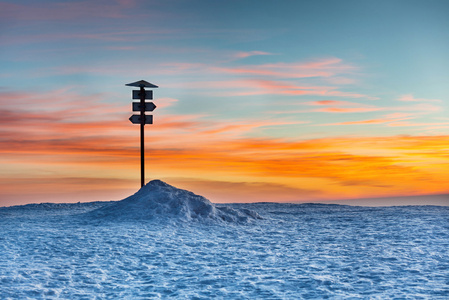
[{"x": 282, "y": 101}]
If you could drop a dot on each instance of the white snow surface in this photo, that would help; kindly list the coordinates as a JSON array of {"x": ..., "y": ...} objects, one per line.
[{"x": 100, "y": 250}]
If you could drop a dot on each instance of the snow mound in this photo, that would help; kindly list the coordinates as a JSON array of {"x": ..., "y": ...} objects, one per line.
[{"x": 159, "y": 200}]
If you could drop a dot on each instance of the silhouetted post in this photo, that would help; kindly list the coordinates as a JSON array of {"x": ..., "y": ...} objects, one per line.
[
  {"x": 142, "y": 136},
  {"x": 142, "y": 119}
]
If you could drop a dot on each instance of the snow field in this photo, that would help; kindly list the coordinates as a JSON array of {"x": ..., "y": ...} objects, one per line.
[{"x": 234, "y": 251}]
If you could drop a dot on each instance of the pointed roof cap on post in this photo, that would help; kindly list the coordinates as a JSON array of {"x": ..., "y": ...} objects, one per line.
[{"x": 142, "y": 83}]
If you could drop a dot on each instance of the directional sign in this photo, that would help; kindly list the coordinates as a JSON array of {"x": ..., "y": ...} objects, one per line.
[
  {"x": 149, "y": 106},
  {"x": 142, "y": 83},
  {"x": 135, "y": 119},
  {"x": 148, "y": 94}
]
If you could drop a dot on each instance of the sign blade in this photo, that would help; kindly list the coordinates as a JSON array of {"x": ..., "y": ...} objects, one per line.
[
  {"x": 149, "y": 119},
  {"x": 149, "y": 106},
  {"x": 148, "y": 94},
  {"x": 135, "y": 119}
]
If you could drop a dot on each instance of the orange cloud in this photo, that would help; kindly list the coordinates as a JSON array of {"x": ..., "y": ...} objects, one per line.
[
  {"x": 370, "y": 121},
  {"x": 394, "y": 117},
  {"x": 408, "y": 124},
  {"x": 335, "y": 109},
  {"x": 301, "y": 170},
  {"x": 331, "y": 161},
  {"x": 329, "y": 102},
  {"x": 243, "y": 192}
]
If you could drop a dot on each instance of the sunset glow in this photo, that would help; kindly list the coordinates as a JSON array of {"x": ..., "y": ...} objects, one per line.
[{"x": 282, "y": 101}]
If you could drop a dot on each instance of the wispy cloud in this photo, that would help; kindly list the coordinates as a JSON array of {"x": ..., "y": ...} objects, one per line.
[
  {"x": 99, "y": 37},
  {"x": 74, "y": 10},
  {"x": 418, "y": 108},
  {"x": 261, "y": 87},
  {"x": 399, "y": 113},
  {"x": 319, "y": 68},
  {"x": 361, "y": 122},
  {"x": 410, "y": 98},
  {"x": 251, "y": 53},
  {"x": 342, "y": 107},
  {"x": 242, "y": 127},
  {"x": 408, "y": 124},
  {"x": 330, "y": 102},
  {"x": 385, "y": 119},
  {"x": 348, "y": 109}
]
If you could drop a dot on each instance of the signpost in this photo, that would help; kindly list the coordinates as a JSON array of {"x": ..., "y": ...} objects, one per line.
[{"x": 142, "y": 119}]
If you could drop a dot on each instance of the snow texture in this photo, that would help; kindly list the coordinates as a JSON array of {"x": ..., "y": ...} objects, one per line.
[
  {"x": 296, "y": 251},
  {"x": 159, "y": 200}
]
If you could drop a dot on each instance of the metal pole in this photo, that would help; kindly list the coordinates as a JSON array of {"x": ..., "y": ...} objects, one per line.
[{"x": 142, "y": 136}]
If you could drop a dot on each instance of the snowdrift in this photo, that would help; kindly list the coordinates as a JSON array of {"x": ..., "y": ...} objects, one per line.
[{"x": 159, "y": 200}]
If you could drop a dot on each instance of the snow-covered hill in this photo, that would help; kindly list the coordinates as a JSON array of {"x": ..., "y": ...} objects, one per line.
[{"x": 159, "y": 200}]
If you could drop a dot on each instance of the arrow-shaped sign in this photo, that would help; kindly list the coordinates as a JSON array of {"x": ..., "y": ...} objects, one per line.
[
  {"x": 149, "y": 106},
  {"x": 148, "y": 94},
  {"x": 135, "y": 119}
]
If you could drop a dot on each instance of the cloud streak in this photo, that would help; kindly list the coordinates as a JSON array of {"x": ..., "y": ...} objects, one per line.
[
  {"x": 240, "y": 55},
  {"x": 410, "y": 98},
  {"x": 74, "y": 10},
  {"x": 319, "y": 68}
]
